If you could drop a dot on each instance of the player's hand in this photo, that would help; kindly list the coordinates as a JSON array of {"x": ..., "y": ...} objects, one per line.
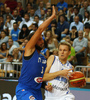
[
  {"x": 66, "y": 73},
  {"x": 48, "y": 87},
  {"x": 53, "y": 12}
]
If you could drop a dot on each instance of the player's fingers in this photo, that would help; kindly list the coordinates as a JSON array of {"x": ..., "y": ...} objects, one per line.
[{"x": 70, "y": 69}]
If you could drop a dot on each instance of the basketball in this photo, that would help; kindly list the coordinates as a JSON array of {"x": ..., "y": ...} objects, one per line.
[{"x": 77, "y": 79}]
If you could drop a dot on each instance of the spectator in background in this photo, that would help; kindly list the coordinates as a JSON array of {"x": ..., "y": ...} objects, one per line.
[
  {"x": 53, "y": 28},
  {"x": 7, "y": 12},
  {"x": 62, "y": 27},
  {"x": 32, "y": 13},
  {"x": 43, "y": 15},
  {"x": 12, "y": 48},
  {"x": 2, "y": 11},
  {"x": 9, "y": 23},
  {"x": 28, "y": 7},
  {"x": 41, "y": 6},
  {"x": 26, "y": 21},
  {"x": 72, "y": 55},
  {"x": 45, "y": 50},
  {"x": 79, "y": 25},
  {"x": 15, "y": 32},
  {"x": 3, "y": 50},
  {"x": 55, "y": 52},
  {"x": 33, "y": 3},
  {"x": 87, "y": 31},
  {"x": 86, "y": 18},
  {"x": 61, "y": 12},
  {"x": 62, "y": 6},
  {"x": 36, "y": 19},
  {"x": 87, "y": 35},
  {"x": 34, "y": 28},
  {"x": 73, "y": 2},
  {"x": 70, "y": 12},
  {"x": 16, "y": 17},
  {"x": 80, "y": 45},
  {"x": 20, "y": 9},
  {"x": 73, "y": 33},
  {"x": 1, "y": 23},
  {"x": 84, "y": 8},
  {"x": 51, "y": 42},
  {"x": 8, "y": 67},
  {"x": 4, "y": 37},
  {"x": 49, "y": 12},
  {"x": 48, "y": 5},
  {"x": 76, "y": 13},
  {"x": 23, "y": 33}
]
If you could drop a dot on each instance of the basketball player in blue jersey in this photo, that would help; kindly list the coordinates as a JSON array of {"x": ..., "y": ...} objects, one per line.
[
  {"x": 57, "y": 73},
  {"x": 33, "y": 66}
]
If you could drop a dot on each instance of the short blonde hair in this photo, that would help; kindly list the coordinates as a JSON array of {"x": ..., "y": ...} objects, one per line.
[{"x": 65, "y": 43}]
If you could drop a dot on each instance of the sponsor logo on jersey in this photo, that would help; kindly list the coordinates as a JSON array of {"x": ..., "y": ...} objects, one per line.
[
  {"x": 23, "y": 89},
  {"x": 38, "y": 79},
  {"x": 31, "y": 97}
]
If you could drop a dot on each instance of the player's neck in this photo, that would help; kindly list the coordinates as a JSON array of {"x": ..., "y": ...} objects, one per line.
[{"x": 63, "y": 61}]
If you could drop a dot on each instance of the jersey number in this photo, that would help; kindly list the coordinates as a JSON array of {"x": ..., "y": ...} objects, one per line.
[{"x": 42, "y": 70}]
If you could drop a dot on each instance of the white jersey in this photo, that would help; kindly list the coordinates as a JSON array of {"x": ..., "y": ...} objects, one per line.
[{"x": 60, "y": 84}]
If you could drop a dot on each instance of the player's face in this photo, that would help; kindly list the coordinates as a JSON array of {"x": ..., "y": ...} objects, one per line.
[
  {"x": 40, "y": 43},
  {"x": 63, "y": 52}
]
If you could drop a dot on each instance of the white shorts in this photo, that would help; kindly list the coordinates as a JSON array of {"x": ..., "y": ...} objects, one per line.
[{"x": 69, "y": 96}]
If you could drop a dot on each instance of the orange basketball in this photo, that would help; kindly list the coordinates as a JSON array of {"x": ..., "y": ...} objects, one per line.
[{"x": 77, "y": 79}]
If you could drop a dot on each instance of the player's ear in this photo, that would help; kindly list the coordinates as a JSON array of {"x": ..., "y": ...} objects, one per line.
[{"x": 69, "y": 52}]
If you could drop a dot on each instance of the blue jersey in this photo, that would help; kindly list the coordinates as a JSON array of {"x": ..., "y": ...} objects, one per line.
[
  {"x": 32, "y": 71},
  {"x": 62, "y": 6},
  {"x": 15, "y": 34}
]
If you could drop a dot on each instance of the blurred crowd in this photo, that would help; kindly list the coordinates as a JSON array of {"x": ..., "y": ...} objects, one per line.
[{"x": 72, "y": 24}]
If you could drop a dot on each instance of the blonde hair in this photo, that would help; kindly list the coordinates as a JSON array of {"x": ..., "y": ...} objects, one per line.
[{"x": 65, "y": 43}]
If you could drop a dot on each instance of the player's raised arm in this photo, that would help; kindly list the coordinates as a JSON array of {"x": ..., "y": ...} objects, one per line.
[{"x": 32, "y": 42}]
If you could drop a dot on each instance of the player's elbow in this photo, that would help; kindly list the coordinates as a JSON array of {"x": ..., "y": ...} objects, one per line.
[{"x": 41, "y": 29}]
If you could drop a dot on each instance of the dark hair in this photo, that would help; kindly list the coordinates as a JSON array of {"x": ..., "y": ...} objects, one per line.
[
  {"x": 74, "y": 27},
  {"x": 63, "y": 15},
  {"x": 10, "y": 55},
  {"x": 88, "y": 14},
  {"x": 4, "y": 32},
  {"x": 2, "y": 46},
  {"x": 24, "y": 26},
  {"x": 54, "y": 22},
  {"x": 36, "y": 16},
  {"x": 29, "y": 3},
  {"x": 49, "y": 8},
  {"x": 36, "y": 25},
  {"x": 87, "y": 25},
  {"x": 26, "y": 14},
  {"x": 76, "y": 8}
]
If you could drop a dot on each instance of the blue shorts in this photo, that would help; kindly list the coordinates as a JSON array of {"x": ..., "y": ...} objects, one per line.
[{"x": 24, "y": 93}]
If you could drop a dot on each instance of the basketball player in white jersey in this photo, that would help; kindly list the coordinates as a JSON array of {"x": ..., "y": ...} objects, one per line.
[{"x": 57, "y": 74}]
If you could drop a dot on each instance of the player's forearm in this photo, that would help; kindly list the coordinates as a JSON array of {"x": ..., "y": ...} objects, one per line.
[{"x": 50, "y": 76}]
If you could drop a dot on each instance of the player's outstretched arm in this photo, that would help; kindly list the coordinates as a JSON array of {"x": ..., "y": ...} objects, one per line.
[{"x": 32, "y": 42}]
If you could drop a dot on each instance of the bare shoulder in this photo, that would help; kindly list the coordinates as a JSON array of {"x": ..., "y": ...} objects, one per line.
[
  {"x": 49, "y": 63},
  {"x": 50, "y": 59}
]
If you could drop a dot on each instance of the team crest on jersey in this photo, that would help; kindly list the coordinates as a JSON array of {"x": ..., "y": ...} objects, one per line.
[
  {"x": 44, "y": 61},
  {"x": 38, "y": 79},
  {"x": 31, "y": 97}
]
